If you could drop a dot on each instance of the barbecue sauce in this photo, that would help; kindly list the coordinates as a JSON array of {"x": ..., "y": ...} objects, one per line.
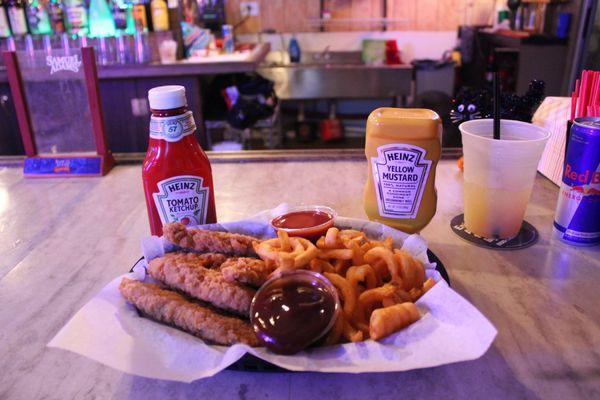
[{"x": 291, "y": 315}]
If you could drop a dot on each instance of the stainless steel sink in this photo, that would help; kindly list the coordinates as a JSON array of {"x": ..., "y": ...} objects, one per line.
[
  {"x": 340, "y": 75},
  {"x": 332, "y": 57}
]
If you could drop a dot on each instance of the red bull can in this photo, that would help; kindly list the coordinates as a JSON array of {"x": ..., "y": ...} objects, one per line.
[{"x": 577, "y": 219}]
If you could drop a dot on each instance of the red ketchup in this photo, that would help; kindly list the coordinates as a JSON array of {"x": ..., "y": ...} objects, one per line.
[
  {"x": 310, "y": 223},
  {"x": 176, "y": 173}
]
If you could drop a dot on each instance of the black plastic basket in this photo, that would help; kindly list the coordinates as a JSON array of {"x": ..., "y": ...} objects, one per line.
[{"x": 250, "y": 363}]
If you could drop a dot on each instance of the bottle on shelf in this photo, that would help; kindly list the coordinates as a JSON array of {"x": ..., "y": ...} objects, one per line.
[
  {"x": 228, "y": 44},
  {"x": 130, "y": 21},
  {"x": 294, "y": 50},
  {"x": 176, "y": 173},
  {"x": 140, "y": 17},
  {"x": 4, "y": 25},
  {"x": 55, "y": 11},
  {"x": 38, "y": 18},
  {"x": 119, "y": 13},
  {"x": 160, "y": 15},
  {"x": 175, "y": 19},
  {"x": 102, "y": 23},
  {"x": 16, "y": 17},
  {"x": 77, "y": 17}
]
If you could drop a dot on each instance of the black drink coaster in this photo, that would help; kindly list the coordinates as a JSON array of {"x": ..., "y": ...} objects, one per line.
[{"x": 526, "y": 237}]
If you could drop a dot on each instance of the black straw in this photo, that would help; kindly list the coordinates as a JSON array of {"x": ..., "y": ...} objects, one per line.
[{"x": 496, "y": 106}]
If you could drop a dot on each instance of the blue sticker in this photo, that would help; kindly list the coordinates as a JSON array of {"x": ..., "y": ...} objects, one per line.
[{"x": 63, "y": 166}]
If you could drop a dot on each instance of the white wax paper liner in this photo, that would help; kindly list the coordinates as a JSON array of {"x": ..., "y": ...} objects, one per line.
[{"x": 109, "y": 330}]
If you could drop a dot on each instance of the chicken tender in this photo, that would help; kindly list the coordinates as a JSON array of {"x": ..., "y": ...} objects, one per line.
[
  {"x": 250, "y": 271},
  {"x": 206, "y": 260},
  {"x": 173, "y": 309},
  {"x": 203, "y": 241},
  {"x": 174, "y": 271}
]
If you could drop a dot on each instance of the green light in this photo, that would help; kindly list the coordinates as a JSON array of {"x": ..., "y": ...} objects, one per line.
[
  {"x": 130, "y": 28},
  {"x": 101, "y": 19}
]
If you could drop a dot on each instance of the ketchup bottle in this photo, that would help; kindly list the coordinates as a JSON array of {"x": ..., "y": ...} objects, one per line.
[{"x": 176, "y": 173}]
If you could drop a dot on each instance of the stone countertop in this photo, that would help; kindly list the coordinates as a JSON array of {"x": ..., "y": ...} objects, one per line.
[{"x": 62, "y": 240}]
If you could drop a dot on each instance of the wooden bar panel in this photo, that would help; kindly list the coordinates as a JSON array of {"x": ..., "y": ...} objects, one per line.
[
  {"x": 422, "y": 15},
  {"x": 450, "y": 17},
  {"x": 297, "y": 16},
  {"x": 406, "y": 10},
  {"x": 354, "y": 9},
  {"x": 427, "y": 15},
  {"x": 273, "y": 15}
]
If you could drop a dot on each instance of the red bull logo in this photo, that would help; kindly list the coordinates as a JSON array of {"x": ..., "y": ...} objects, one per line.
[{"x": 585, "y": 177}]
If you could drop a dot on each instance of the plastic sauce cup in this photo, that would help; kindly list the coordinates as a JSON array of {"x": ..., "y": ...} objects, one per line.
[
  {"x": 309, "y": 222},
  {"x": 293, "y": 310}
]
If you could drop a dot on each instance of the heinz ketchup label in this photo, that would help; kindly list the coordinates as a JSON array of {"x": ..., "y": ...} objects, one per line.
[{"x": 182, "y": 199}]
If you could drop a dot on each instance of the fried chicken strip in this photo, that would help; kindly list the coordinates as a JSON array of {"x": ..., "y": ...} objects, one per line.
[
  {"x": 250, "y": 271},
  {"x": 175, "y": 271},
  {"x": 173, "y": 309},
  {"x": 206, "y": 260},
  {"x": 203, "y": 241}
]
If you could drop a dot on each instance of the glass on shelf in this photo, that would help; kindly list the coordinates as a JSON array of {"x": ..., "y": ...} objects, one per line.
[
  {"x": 167, "y": 50},
  {"x": 121, "y": 48},
  {"x": 47, "y": 43},
  {"x": 105, "y": 50},
  {"x": 124, "y": 50},
  {"x": 141, "y": 48}
]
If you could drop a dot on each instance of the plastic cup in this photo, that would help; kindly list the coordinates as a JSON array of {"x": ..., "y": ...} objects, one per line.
[
  {"x": 499, "y": 174},
  {"x": 168, "y": 51}
]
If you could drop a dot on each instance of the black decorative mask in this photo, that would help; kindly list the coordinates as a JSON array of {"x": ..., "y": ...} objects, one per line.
[{"x": 473, "y": 103}]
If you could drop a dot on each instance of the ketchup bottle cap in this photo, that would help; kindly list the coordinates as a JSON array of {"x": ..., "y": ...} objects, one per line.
[{"x": 167, "y": 97}]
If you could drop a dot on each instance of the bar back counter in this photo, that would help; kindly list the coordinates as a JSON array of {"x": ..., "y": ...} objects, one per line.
[{"x": 124, "y": 92}]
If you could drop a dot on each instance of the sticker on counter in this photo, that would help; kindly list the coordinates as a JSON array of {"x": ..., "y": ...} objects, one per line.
[
  {"x": 400, "y": 172},
  {"x": 182, "y": 199}
]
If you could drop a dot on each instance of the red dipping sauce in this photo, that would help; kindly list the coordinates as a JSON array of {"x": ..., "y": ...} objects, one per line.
[
  {"x": 291, "y": 312},
  {"x": 309, "y": 222}
]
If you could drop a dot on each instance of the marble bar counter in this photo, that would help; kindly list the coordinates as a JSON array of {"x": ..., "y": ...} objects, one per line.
[{"x": 62, "y": 240}]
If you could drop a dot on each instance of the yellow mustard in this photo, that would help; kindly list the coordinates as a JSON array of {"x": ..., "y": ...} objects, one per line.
[{"x": 403, "y": 147}]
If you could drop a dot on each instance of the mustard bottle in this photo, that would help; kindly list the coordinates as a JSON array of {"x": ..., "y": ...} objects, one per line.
[{"x": 403, "y": 147}]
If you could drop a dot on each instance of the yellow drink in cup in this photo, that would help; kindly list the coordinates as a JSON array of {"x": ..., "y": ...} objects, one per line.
[
  {"x": 486, "y": 206},
  {"x": 499, "y": 174}
]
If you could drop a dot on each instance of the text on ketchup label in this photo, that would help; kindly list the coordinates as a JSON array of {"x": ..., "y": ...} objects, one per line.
[{"x": 182, "y": 199}]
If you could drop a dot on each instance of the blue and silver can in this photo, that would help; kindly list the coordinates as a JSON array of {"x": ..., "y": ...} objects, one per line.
[
  {"x": 577, "y": 219},
  {"x": 227, "y": 31}
]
